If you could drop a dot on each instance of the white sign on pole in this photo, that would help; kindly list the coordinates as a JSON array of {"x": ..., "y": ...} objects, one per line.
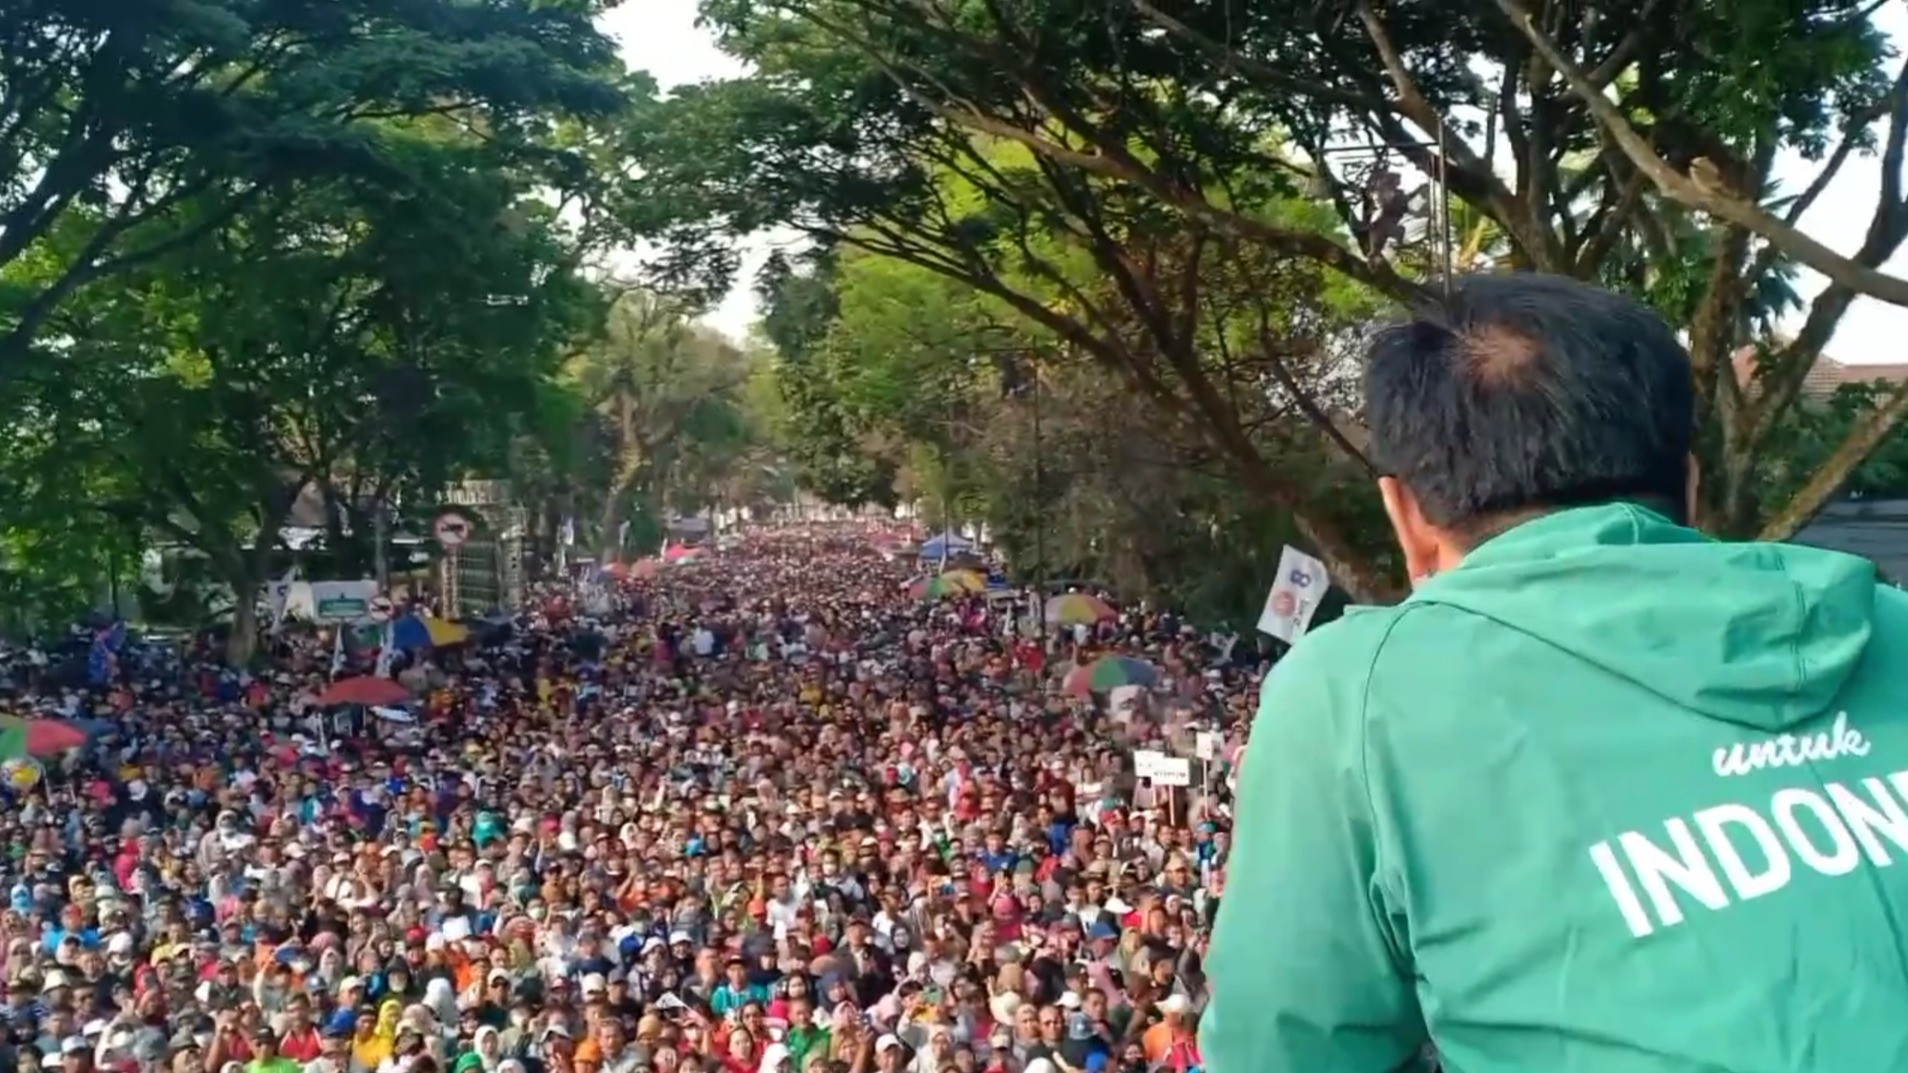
[
  {"x": 337, "y": 601},
  {"x": 1146, "y": 762},
  {"x": 1294, "y": 598},
  {"x": 1206, "y": 745},
  {"x": 1172, "y": 771}
]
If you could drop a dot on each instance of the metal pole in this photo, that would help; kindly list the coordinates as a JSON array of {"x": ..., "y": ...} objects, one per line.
[
  {"x": 1442, "y": 213},
  {"x": 380, "y": 538}
]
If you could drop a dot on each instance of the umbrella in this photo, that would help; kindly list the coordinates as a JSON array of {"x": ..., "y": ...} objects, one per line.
[
  {"x": 37, "y": 737},
  {"x": 363, "y": 689},
  {"x": 1108, "y": 673},
  {"x": 952, "y": 583},
  {"x": 1077, "y": 608},
  {"x": 423, "y": 631}
]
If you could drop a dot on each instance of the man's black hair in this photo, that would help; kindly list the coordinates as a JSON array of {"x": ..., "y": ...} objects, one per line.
[{"x": 1520, "y": 393}]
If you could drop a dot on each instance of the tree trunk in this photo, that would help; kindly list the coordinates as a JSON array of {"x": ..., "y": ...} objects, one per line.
[
  {"x": 242, "y": 643},
  {"x": 607, "y": 523},
  {"x": 1351, "y": 568},
  {"x": 336, "y": 539}
]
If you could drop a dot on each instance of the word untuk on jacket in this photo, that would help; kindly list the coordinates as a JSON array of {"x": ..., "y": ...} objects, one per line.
[{"x": 1732, "y": 853}]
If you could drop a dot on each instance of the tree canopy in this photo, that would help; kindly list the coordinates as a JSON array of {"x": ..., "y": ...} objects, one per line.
[
  {"x": 257, "y": 253},
  {"x": 1097, "y": 171}
]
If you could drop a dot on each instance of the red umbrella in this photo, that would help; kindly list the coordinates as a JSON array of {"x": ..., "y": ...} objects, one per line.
[{"x": 364, "y": 689}]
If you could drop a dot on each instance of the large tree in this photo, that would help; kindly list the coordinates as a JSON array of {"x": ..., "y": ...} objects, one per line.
[
  {"x": 114, "y": 117},
  {"x": 658, "y": 382},
  {"x": 343, "y": 335},
  {"x": 1547, "y": 133}
]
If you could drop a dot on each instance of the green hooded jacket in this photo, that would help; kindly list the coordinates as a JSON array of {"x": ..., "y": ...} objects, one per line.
[{"x": 1609, "y": 797}]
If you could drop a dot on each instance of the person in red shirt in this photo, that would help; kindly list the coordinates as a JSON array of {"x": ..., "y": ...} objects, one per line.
[{"x": 300, "y": 1041}]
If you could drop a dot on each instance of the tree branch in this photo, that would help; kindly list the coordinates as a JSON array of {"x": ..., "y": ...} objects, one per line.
[{"x": 1847, "y": 272}]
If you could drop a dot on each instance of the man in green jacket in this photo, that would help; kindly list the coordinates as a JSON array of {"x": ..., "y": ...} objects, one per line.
[{"x": 1602, "y": 795}]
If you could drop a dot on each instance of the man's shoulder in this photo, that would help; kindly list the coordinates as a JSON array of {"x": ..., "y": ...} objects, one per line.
[{"x": 1339, "y": 653}]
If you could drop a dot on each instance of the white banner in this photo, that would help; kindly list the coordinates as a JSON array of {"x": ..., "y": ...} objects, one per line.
[
  {"x": 1147, "y": 761},
  {"x": 1206, "y": 745},
  {"x": 1295, "y": 595},
  {"x": 1172, "y": 771}
]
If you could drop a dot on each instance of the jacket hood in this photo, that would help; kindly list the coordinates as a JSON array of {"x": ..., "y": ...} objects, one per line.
[{"x": 1759, "y": 635}]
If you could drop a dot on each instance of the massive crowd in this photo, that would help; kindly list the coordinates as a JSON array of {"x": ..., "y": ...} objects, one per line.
[{"x": 766, "y": 812}]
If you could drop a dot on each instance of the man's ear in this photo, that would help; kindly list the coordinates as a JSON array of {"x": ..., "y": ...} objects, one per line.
[{"x": 1415, "y": 537}]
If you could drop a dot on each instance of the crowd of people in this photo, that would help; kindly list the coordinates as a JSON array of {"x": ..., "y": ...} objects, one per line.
[{"x": 764, "y": 812}]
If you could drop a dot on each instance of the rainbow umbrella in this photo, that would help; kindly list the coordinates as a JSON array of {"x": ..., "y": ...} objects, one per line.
[
  {"x": 1108, "y": 673},
  {"x": 37, "y": 737},
  {"x": 1078, "y": 609},
  {"x": 952, "y": 583}
]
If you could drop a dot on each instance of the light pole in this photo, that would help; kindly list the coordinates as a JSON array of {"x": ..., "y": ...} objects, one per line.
[{"x": 380, "y": 536}]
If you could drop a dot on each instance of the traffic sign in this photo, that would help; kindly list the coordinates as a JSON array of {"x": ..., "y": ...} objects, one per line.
[{"x": 452, "y": 529}]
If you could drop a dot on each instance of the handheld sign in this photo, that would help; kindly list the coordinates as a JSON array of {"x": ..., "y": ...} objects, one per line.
[{"x": 1295, "y": 596}]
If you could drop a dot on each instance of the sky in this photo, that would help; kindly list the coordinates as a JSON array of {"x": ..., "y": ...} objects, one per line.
[{"x": 661, "y": 36}]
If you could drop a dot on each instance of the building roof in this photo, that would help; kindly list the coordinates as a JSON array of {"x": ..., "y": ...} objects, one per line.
[
  {"x": 1875, "y": 529},
  {"x": 1827, "y": 374}
]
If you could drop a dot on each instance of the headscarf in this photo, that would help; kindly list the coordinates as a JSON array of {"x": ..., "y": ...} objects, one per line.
[
  {"x": 376, "y": 1040},
  {"x": 442, "y": 1000}
]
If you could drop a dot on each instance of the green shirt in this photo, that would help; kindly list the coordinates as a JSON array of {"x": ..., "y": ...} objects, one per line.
[{"x": 802, "y": 1042}]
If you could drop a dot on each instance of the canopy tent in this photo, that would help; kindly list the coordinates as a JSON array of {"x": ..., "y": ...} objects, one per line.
[{"x": 944, "y": 545}]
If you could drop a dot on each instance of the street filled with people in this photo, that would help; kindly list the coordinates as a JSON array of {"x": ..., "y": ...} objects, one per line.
[{"x": 766, "y": 809}]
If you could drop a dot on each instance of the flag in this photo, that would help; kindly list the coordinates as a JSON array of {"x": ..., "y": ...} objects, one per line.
[
  {"x": 99, "y": 657},
  {"x": 622, "y": 536},
  {"x": 337, "y": 650},
  {"x": 1295, "y": 594},
  {"x": 387, "y": 647},
  {"x": 279, "y": 596},
  {"x": 569, "y": 531}
]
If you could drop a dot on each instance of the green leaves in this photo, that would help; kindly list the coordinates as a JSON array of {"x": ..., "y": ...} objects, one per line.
[{"x": 115, "y": 116}]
